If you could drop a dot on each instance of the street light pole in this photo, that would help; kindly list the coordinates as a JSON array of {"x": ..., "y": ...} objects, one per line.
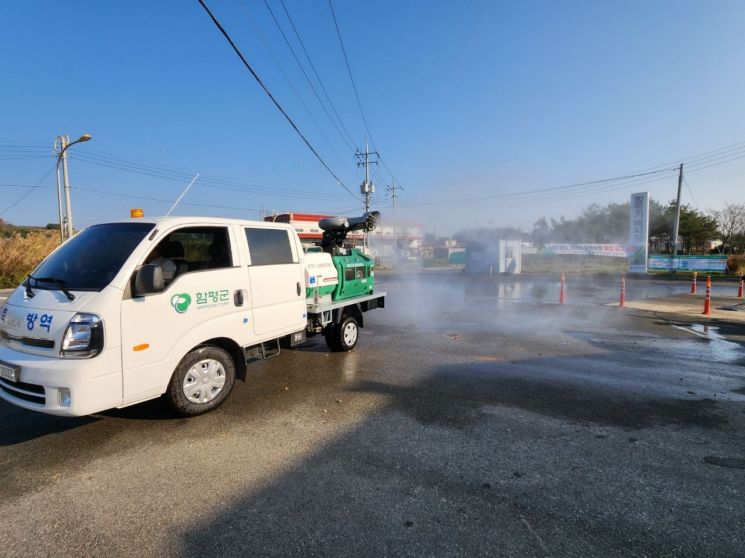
[
  {"x": 66, "y": 180},
  {"x": 66, "y": 230},
  {"x": 59, "y": 142}
]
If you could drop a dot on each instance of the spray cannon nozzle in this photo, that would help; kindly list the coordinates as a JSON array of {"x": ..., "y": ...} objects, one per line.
[
  {"x": 366, "y": 222},
  {"x": 335, "y": 229}
]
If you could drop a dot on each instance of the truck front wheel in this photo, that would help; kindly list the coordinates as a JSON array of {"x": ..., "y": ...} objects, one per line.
[
  {"x": 202, "y": 381},
  {"x": 344, "y": 335}
]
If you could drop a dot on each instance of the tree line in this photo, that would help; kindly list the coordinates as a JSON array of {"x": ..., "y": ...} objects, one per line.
[{"x": 610, "y": 224}]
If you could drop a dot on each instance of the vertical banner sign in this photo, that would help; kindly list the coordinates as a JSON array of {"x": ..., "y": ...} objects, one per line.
[{"x": 638, "y": 232}]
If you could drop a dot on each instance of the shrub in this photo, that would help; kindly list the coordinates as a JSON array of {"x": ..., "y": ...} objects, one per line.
[
  {"x": 736, "y": 264},
  {"x": 21, "y": 253}
]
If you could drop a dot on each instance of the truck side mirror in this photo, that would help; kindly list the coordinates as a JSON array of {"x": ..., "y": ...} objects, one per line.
[{"x": 149, "y": 279}]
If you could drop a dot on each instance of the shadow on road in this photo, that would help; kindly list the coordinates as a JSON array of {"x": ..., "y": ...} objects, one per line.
[
  {"x": 155, "y": 409},
  {"x": 19, "y": 425},
  {"x": 496, "y": 458}
]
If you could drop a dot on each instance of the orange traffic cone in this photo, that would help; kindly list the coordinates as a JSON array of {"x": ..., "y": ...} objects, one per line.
[
  {"x": 739, "y": 291},
  {"x": 707, "y": 298},
  {"x": 622, "y": 298},
  {"x": 693, "y": 283},
  {"x": 562, "y": 291}
]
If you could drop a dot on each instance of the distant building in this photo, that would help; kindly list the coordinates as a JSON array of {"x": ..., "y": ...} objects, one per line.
[
  {"x": 450, "y": 250},
  {"x": 388, "y": 243},
  {"x": 398, "y": 243},
  {"x": 306, "y": 226},
  {"x": 502, "y": 256}
]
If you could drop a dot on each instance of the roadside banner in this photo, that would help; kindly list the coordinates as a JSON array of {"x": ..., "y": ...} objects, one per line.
[
  {"x": 611, "y": 250},
  {"x": 638, "y": 232},
  {"x": 716, "y": 264}
]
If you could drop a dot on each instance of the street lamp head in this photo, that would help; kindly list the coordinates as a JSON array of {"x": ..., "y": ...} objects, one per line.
[{"x": 85, "y": 137}]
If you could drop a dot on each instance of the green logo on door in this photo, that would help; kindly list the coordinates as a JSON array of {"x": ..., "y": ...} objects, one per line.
[{"x": 181, "y": 302}]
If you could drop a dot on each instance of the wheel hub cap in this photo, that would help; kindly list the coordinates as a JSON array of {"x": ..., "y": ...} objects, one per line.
[
  {"x": 350, "y": 334},
  {"x": 204, "y": 381}
]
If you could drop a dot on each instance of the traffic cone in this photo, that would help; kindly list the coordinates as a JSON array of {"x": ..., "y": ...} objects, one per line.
[
  {"x": 739, "y": 291},
  {"x": 622, "y": 298},
  {"x": 707, "y": 298},
  {"x": 562, "y": 291},
  {"x": 693, "y": 283}
]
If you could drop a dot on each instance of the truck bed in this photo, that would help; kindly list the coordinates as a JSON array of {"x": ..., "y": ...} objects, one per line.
[{"x": 317, "y": 308}]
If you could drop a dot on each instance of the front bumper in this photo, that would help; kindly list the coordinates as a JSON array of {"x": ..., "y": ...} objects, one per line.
[{"x": 95, "y": 384}]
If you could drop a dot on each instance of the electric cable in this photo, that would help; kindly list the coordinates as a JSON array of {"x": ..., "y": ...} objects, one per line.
[
  {"x": 315, "y": 72},
  {"x": 99, "y": 159},
  {"x": 29, "y": 192},
  {"x": 354, "y": 86},
  {"x": 306, "y": 76},
  {"x": 272, "y": 98},
  {"x": 274, "y": 57}
]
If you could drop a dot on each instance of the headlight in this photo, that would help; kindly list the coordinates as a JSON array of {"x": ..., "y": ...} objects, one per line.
[{"x": 83, "y": 337}]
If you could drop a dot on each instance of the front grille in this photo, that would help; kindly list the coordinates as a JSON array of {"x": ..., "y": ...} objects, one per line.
[
  {"x": 28, "y": 341},
  {"x": 27, "y": 392},
  {"x": 40, "y": 343}
]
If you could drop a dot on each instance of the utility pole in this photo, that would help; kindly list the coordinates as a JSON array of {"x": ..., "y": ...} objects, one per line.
[
  {"x": 676, "y": 224},
  {"x": 392, "y": 189},
  {"x": 65, "y": 143},
  {"x": 367, "y": 187},
  {"x": 61, "y": 145}
]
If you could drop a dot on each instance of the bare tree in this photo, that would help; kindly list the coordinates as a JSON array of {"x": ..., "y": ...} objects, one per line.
[{"x": 731, "y": 222}]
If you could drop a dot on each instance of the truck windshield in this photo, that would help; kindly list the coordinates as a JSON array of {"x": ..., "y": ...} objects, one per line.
[{"x": 91, "y": 259}]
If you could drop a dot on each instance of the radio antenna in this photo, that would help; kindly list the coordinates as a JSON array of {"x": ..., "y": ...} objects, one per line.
[{"x": 193, "y": 180}]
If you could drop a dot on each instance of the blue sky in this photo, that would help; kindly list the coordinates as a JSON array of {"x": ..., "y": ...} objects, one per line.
[{"x": 464, "y": 100}]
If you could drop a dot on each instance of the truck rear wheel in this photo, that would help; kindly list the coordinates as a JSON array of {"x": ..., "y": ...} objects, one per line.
[
  {"x": 202, "y": 381},
  {"x": 329, "y": 333},
  {"x": 344, "y": 335}
]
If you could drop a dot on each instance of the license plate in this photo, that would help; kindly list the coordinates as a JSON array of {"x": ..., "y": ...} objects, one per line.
[{"x": 10, "y": 372}]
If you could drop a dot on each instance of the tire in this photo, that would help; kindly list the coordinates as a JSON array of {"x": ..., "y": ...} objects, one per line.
[
  {"x": 346, "y": 334},
  {"x": 331, "y": 337},
  {"x": 201, "y": 382}
]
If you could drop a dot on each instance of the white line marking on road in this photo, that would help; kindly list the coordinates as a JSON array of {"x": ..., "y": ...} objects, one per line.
[{"x": 537, "y": 537}]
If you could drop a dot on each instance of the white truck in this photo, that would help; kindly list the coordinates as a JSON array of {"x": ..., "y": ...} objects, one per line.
[{"x": 128, "y": 311}]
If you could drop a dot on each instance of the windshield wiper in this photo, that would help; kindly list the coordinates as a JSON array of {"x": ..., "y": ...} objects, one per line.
[
  {"x": 59, "y": 282},
  {"x": 29, "y": 292}
]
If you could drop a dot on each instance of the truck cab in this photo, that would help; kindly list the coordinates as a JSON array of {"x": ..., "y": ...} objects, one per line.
[{"x": 128, "y": 311}]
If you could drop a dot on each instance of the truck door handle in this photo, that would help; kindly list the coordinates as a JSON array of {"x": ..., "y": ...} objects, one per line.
[
  {"x": 298, "y": 288},
  {"x": 238, "y": 297}
]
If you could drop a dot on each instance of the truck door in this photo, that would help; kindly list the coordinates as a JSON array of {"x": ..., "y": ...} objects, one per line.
[
  {"x": 206, "y": 297},
  {"x": 277, "y": 282}
]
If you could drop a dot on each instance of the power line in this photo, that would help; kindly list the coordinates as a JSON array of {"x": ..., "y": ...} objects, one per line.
[
  {"x": 354, "y": 86},
  {"x": 29, "y": 192},
  {"x": 351, "y": 77},
  {"x": 269, "y": 49},
  {"x": 716, "y": 162},
  {"x": 392, "y": 191},
  {"x": 160, "y": 200},
  {"x": 163, "y": 200},
  {"x": 272, "y": 98},
  {"x": 693, "y": 197},
  {"x": 23, "y": 157},
  {"x": 738, "y": 146},
  {"x": 315, "y": 72},
  {"x": 532, "y": 194},
  {"x": 307, "y": 78},
  {"x": 558, "y": 193},
  {"x": 107, "y": 161}
]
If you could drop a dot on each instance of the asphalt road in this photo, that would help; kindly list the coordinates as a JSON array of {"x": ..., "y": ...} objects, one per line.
[{"x": 464, "y": 423}]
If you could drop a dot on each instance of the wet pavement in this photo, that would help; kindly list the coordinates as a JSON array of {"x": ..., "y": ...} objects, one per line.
[{"x": 475, "y": 417}]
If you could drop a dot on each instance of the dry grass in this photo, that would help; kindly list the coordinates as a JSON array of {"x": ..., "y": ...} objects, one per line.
[
  {"x": 21, "y": 253},
  {"x": 736, "y": 264}
]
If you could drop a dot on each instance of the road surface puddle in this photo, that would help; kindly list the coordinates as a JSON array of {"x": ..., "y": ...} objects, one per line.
[{"x": 721, "y": 349}]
